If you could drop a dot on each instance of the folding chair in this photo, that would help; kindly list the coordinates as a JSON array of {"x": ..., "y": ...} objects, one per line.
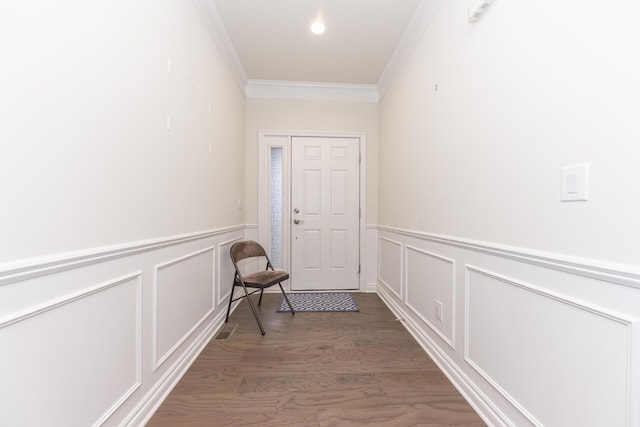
[{"x": 260, "y": 280}]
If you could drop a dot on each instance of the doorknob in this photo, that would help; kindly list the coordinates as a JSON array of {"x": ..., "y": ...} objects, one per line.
[{"x": 297, "y": 221}]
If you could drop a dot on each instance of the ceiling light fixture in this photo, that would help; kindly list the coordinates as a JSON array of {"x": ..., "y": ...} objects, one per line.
[{"x": 318, "y": 26}]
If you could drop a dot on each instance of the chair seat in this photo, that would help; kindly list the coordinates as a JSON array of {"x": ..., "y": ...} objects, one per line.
[{"x": 264, "y": 279}]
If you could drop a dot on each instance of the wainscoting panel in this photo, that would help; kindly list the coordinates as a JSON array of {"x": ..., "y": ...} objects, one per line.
[
  {"x": 390, "y": 265},
  {"x": 101, "y": 336},
  {"x": 553, "y": 343},
  {"x": 369, "y": 280},
  {"x": 189, "y": 283},
  {"x": 430, "y": 280},
  {"x": 226, "y": 270},
  {"x": 543, "y": 339},
  {"x": 74, "y": 360}
]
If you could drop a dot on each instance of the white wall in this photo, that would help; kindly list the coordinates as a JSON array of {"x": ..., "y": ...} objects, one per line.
[
  {"x": 540, "y": 298},
  {"x": 86, "y": 157},
  {"x": 115, "y": 231},
  {"x": 528, "y": 89},
  {"x": 308, "y": 115}
]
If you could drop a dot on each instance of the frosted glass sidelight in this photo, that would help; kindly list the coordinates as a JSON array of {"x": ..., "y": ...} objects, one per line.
[{"x": 275, "y": 206}]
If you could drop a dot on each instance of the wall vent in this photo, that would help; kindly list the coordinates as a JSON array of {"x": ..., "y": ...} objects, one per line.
[{"x": 224, "y": 334}]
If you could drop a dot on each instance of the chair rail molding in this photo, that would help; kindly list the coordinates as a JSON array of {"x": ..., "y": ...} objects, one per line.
[
  {"x": 522, "y": 325},
  {"x": 622, "y": 274},
  {"x": 132, "y": 317}
]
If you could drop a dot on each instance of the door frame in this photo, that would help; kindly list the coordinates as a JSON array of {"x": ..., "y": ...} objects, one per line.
[{"x": 282, "y": 138}]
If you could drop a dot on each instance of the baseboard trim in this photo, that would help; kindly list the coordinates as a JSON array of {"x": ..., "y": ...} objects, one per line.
[
  {"x": 371, "y": 288},
  {"x": 143, "y": 412},
  {"x": 480, "y": 403}
]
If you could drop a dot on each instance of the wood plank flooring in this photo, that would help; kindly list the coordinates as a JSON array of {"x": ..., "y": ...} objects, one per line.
[{"x": 315, "y": 370}]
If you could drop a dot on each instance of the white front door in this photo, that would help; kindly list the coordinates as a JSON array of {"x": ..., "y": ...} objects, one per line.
[{"x": 325, "y": 203}]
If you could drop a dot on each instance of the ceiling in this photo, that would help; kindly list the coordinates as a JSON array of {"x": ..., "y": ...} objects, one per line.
[{"x": 270, "y": 39}]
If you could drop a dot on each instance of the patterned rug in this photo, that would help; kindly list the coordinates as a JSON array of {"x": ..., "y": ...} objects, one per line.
[{"x": 327, "y": 301}]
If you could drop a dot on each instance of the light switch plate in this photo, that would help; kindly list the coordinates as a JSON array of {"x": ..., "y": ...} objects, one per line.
[{"x": 575, "y": 183}]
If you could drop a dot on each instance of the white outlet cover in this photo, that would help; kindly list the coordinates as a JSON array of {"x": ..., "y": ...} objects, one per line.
[{"x": 575, "y": 183}]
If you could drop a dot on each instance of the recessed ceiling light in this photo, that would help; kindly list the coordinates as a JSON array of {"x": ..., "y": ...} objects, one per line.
[{"x": 317, "y": 27}]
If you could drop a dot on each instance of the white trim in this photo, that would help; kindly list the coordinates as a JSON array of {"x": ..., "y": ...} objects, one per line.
[
  {"x": 419, "y": 23},
  {"x": 148, "y": 405},
  {"x": 251, "y": 232},
  {"x": 156, "y": 269},
  {"x": 400, "y": 295},
  {"x": 369, "y": 93},
  {"x": 221, "y": 297},
  {"x": 214, "y": 24},
  {"x": 449, "y": 340},
  {"x": 262, "y": 186},
  {"x": 630, "y": 322},
  {"x": 264, "y": 178},
  {"x": 55, "y": 303},
  {"x": 277, "y": 89},
  {"x": 16, "y": 271},
  {"x": 483, "y": 406},
  {"x": 370, "y": 258},
  {"x": 621, "y": 274}
]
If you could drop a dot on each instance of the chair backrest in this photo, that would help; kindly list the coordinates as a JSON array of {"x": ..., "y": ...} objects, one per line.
[{"x": 246, "y": 249}]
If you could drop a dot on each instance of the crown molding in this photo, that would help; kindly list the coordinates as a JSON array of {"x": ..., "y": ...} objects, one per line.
[
  {"x": 311, "y": 91},
  {"x": 214, "y": 24},
  {"x": 419, "y": 23}
]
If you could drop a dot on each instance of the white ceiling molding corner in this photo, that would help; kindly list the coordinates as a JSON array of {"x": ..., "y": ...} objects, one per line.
[
  {"x": 312, "y": 91},
  {"x": 218, "y": 33},
  {"x": 419, "y": 23}
]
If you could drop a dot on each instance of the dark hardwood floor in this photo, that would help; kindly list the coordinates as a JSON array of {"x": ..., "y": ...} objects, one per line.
[{"x": 315, "y": 369}]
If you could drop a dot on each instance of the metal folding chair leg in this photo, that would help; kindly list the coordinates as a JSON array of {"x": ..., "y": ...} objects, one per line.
[
  {"x": 253, "y": 308},
  {"x": 284, "y": 294}
]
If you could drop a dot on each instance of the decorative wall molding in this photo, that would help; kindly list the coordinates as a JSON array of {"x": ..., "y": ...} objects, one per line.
[
  {"x": 382, "y": 273},
  {"x": 369, "y": 260},
  {"x": 78, "y": 296},
  {"x": 492, "y": 415},
  {"x": 628, "y": 322},
  {"x": 147, "y": 405},
  {"x": 16, "y": 271},
  {"x": 451, "y": 307},
  {"x": 527, "y": 321},
  {"x": 125, "y": 396},
  {"x": 610, "y": 272},
  {"x": 224, "y": 252},
  {"x": 66, "y": 299},
  {"x": 251, "y": 232},
  {"x": 275, "y": 89},
  {"x": 213, "y": 22},
  {"x": 419, "y": 23},
  {"x": 160, "y": 359},
  {"x": 53, "y": 289}
]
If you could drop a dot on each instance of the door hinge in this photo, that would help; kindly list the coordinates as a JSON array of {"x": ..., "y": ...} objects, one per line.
[{"x": 359, "y": 268}]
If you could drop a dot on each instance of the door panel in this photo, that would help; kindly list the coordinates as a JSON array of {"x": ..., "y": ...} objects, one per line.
[{"x": 325, "y": 205}]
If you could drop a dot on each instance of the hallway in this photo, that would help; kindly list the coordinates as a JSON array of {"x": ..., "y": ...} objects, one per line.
[{"x": 315, "y": 369}]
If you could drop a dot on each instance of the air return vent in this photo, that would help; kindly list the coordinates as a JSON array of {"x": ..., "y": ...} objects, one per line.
[{"x": 224, "y": 334}]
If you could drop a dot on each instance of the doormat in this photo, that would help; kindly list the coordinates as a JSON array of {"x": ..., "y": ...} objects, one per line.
[{"x": 316, "y": 302}]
